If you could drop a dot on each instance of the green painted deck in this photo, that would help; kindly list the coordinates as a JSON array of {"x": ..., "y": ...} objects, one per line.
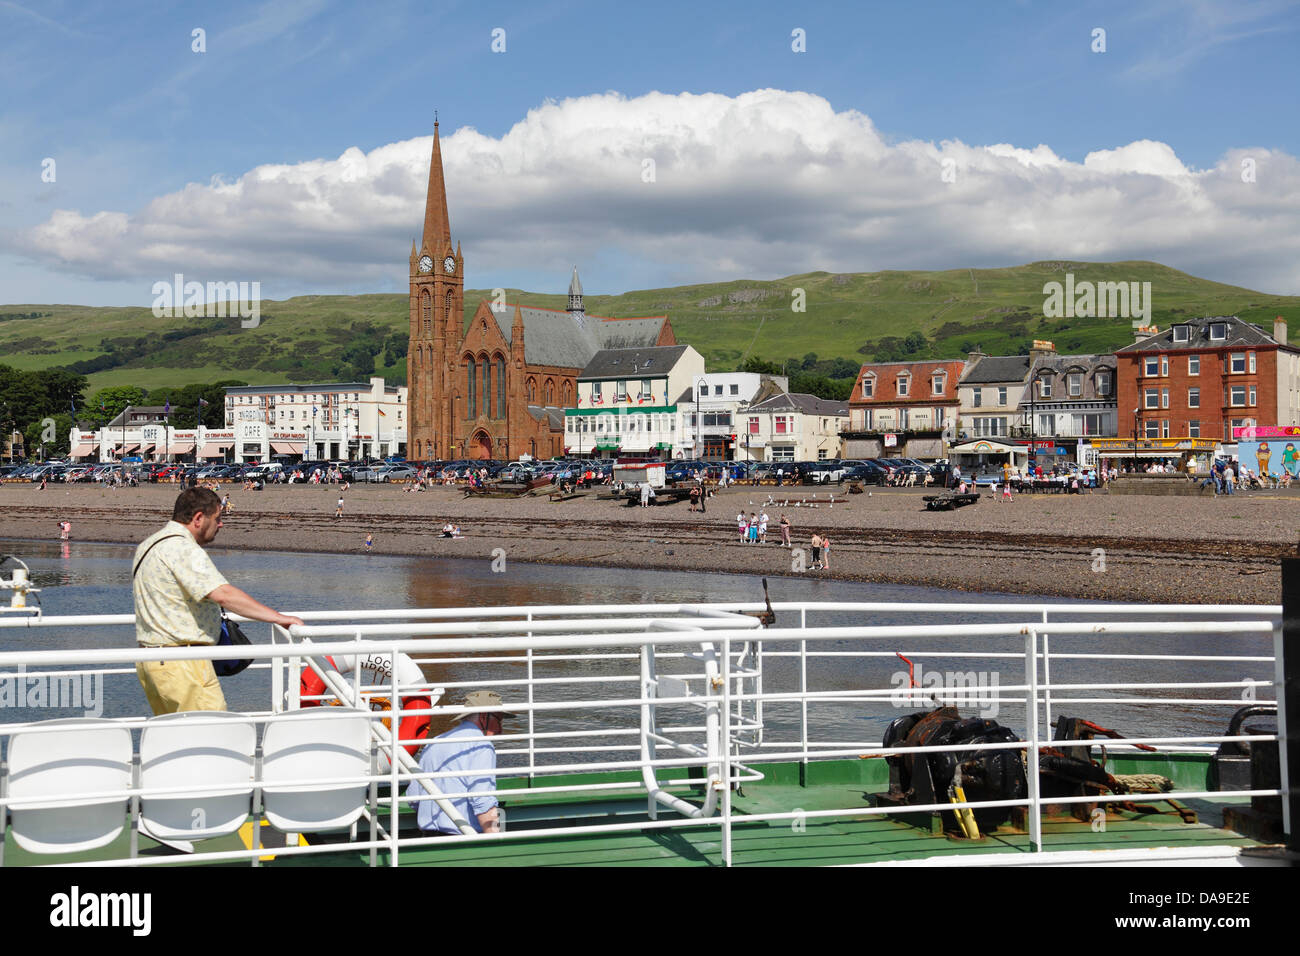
[{"x": 787, "y": 787}]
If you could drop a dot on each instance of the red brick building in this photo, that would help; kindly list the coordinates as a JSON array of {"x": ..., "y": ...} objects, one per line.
[
  {"x": 1203, "y": 377},
  {"x": 913, "y": 401},
  {"x": 497, "y": 387}
]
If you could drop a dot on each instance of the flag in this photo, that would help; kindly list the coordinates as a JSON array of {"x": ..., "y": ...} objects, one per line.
[
  {"x": 73, "y": 403},
  {"x": 203, "y": 404},
  {"x": 384, "y": 413},
  {"x": 167, "y": 409}
]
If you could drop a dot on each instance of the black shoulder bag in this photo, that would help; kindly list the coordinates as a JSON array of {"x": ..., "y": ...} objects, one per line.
[{"x": 231, "y": 635}]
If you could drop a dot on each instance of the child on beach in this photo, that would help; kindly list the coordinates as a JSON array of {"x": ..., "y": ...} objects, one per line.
[
  {"x": 753, "y": 528},
  {"x": 826, "y": 553},
  {"x": 338, "y": 511},
  {"x": 785, "y": 531},
  {"x": 65, "y": 529},
  {"x": 370, "y": 542},
  {"x": 762, "y": 528},
  {"x": 743, "y": 527}
]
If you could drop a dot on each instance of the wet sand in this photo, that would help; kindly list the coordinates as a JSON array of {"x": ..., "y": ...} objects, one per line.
[{"x": 1098, "y": 546}]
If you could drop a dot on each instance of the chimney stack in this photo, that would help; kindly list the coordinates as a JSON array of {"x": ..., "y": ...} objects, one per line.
[{"x": 1279, "y": 330}]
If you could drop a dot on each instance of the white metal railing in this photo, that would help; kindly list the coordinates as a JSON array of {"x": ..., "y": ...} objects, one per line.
[{"x": 653, "y": 690}]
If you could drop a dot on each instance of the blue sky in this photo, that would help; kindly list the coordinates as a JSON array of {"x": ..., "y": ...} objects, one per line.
[{"x": 156, "y": 146}]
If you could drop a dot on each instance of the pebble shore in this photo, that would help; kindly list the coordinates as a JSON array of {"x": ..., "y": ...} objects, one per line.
[{"x": 1097, "y": 546}]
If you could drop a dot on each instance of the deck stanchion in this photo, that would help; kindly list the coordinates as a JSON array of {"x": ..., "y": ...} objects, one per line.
[
  {"x": 532, "y": 757},
  {"x": 725, "y": 743},
  {"x": 803, "y": 689},
  {"x": 1031, "y": 722},
  {"x": 1047, "y": 678},
  {"x": 1286, "y": 648}
]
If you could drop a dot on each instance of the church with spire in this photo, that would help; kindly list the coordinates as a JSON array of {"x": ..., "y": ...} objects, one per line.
[{"x": 497, "y": 385}]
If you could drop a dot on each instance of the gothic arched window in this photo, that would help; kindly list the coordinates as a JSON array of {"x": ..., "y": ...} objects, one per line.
[
  {"x": 426, "y": 312},
  {"x": 470, "y": 390},
  {"x": 487, "y": 386},
  {"x": 531, "y": 389},
  {"x": 568, "y": 394},
  {"x": 447, "y": 312},
  {"x": 550, "y": 392},
  {"x": 501, "y": 387}
]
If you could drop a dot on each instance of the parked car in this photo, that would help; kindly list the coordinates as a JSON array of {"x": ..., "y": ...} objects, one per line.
[
  {"x": 395, "y": 473},
  {"x": 868, "y": 472},
  {"x": 824, "y": 472}
]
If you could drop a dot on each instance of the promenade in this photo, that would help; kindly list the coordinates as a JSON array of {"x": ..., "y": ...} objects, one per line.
[{"x": 1101, "y": 547}]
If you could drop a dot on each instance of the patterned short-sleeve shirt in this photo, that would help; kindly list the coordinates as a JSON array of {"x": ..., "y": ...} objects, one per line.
[{"x": 171, "y": 587}]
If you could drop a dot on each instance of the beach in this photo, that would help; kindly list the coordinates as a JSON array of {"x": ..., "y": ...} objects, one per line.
[{"x": 1096, "y": 547}]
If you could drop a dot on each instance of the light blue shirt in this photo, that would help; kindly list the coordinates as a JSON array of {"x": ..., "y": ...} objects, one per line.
[{"x": 464, "y": 748}]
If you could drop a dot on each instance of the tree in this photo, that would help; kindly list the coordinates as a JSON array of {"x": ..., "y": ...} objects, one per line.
[
  {"x": 108, "y": 403},
  {"x": 50, "y": 434}
]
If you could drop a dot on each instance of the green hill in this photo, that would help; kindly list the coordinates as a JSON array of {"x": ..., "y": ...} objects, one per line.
[{"x": 853, "y": 317}]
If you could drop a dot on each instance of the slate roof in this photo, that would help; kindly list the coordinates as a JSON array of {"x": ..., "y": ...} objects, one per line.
[
  {"x": 554, "y": 416},
  {"x": 997, "y": 369},
  {"x": 802, "y": 402},
  {"x": 1239, "y": 334},
  {"x": 626, "y": 363},
  {"x": 558, "y": 338},
  {"x": 1062, "y": 365}
]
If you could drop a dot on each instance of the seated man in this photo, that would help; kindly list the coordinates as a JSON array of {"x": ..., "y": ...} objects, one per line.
[{"x": 466, "y": 750}]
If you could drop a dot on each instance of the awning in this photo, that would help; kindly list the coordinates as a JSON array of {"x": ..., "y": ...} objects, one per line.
[
  {"x": 664, "y": 446},
  {"x": 131, "y": 450},
  {"x": 180, "y": 448},
  {"x": 603, "y": 447},
  {"x": 214, "y": 449},
  {"x": 148, "y": 449},
  {"x": 287, "y": 447},
  {"x": 986, "y": 446},
  {"x": 82, "y": 450}
]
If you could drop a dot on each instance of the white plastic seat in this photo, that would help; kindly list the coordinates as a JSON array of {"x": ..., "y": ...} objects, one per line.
[
  {"x": 199, "y": 749},
  {"x": 85, "y": 755},
  {"x": 315, "y": 745}
]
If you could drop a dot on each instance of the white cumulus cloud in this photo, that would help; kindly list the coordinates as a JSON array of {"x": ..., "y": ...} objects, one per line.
[{"x": 763, "y": 184}]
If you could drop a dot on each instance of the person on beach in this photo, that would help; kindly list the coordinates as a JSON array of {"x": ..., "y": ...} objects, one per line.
[
  {"x": 179, "y": 594},
  {"x": 42, "y": 482},
  {"x": 762, "y": 528},
  {"x": 704, "y": 496},
  {"x": 225, "y": 505},
  {"x": 826, "y": 553},
  {"x": 743, "y": 526},
  {"x": 695, "y": 497},
  {"x": 338, "y": 510},
  {"x": 785, "y": 531},
  {"x": 645, "y": 494},
  {"x": 370, "y": 542},
  {"x": 816, "y": 545},
  {"x": 753, "y": 528},
  {"x": 65, "y": 529}
]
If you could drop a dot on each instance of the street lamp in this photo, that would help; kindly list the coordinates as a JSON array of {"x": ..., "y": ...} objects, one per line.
[
  {"x": 699, "y": 419},
  {"x": 1135, "y": 438}
]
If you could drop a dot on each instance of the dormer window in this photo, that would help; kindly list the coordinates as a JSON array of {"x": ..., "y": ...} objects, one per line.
[
  {"x": 1181, "y": 333},
  {"x": 1045, "y": 386},
  {"x": 1218, "y": 331},
  {"x": 1075, "y": 384},
  {"x": 937, "y": 383},
  {"x": 868, "y": 386},
  {"x": 1103, "y": 383},
  {"x": 904, "y": 383}
]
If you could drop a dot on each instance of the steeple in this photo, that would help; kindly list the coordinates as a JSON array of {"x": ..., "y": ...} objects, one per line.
[
  {"x": 575, "y": 296},
  {"x": 437, "y": 230}
]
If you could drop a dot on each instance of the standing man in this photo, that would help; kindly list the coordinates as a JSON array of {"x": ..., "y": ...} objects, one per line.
[
  {"x": 465, "y": 749},
  {"x": 178, "y": 595}
]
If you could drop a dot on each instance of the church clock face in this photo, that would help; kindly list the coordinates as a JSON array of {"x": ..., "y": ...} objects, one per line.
[
  {"x": 449, "y": 265},
  {"x": 426, "y": 264}
]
